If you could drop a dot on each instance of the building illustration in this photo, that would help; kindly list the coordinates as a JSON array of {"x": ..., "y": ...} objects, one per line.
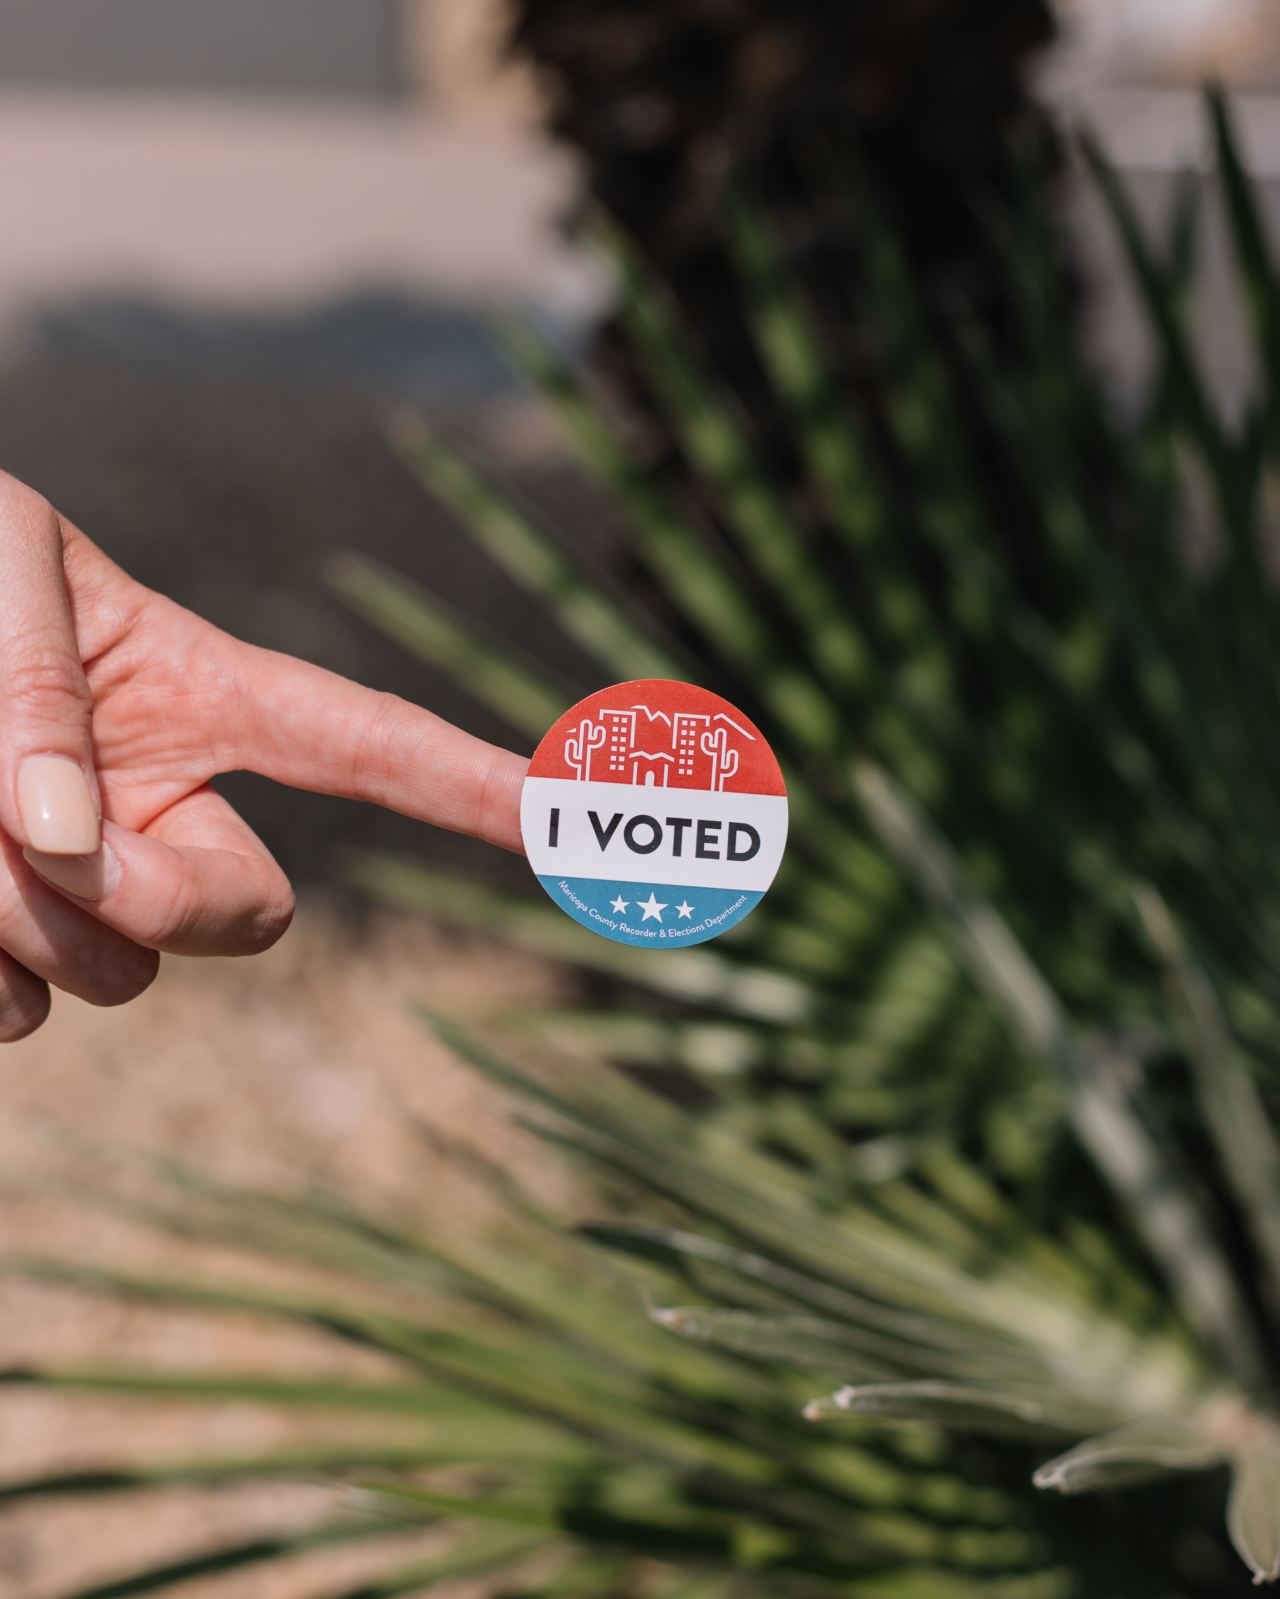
[{"x": 655, "y": 750}]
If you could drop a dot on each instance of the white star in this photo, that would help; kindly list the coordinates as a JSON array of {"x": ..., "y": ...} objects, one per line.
[
  {"x": 652, "y": 907},
  {"x": 620, "y": 904},
  {"x": 684, "y": 909}
]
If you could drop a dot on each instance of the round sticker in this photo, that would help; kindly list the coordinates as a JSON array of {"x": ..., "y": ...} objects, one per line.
[{"x": 655, "y": 814}]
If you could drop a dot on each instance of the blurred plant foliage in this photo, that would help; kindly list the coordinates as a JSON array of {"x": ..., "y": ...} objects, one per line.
[
  {"x": 657, "y": 104},
  {"x": 956, "y": 1167}
]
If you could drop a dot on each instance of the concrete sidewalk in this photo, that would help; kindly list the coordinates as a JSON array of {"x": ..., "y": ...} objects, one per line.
[{"x": 251, "y": 205}]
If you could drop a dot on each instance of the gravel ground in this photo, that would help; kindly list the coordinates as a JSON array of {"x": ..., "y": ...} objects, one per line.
[{"x": 303, "y": 1060}]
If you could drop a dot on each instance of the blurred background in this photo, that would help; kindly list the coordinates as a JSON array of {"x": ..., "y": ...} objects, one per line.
[{"x": 236, "y": 232}]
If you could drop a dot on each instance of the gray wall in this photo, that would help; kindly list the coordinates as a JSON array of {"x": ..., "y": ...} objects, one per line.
[{"x": 344, "y": 47}]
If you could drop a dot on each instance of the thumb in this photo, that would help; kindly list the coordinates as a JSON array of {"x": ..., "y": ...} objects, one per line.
[
  {"x": 48, "y": 791},
  {"x": 309, "y": 728}
]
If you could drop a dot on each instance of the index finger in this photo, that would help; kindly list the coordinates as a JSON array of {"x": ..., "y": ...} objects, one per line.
[{"x": 309, "y": 728}]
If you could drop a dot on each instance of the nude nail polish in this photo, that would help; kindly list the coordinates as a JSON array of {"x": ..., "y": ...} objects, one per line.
[
  {"x": 57, "y": 806},
  {"x": 89, "y": 877}
]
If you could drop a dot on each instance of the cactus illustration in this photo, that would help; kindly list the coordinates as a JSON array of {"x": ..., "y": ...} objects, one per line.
[
  {"x": 580, "y": 746},
  {"x": 724, "y": 761}
]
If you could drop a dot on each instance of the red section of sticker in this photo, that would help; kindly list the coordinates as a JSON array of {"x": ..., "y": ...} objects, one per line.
[{"x": 663, "y": 734}]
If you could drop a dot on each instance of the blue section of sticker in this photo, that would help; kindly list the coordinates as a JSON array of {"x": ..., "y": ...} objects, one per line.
[{"x": 650, "y": 915}]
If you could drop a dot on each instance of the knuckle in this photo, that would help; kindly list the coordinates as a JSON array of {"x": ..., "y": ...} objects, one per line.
[
  {"x": 22, "y": 1011},
  {"x": 48, "y": 681},
  {"x": 174, "y": 914},
  {"x": 372, "y": 756},
  {"x": 120, "y": 980},
  {"x": 272, "y": 917}
]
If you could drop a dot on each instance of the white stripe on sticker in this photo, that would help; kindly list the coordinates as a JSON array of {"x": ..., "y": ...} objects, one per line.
[{"x": 653, "y": 834}]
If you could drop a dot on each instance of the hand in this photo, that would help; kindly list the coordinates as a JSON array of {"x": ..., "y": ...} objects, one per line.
[{"x": 117, "y": 707}]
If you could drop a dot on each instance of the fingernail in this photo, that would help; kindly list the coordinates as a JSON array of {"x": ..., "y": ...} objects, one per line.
[
  {"x": 57, "y": 806},
  {"x": 86, "y": 876}
]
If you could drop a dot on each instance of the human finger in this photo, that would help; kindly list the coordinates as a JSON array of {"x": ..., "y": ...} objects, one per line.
[
  {"x": 61, "y": 943},
  {"x": 197, "y": 882},
  {"x": 24, "y": 1000},
  {"x": 309, "y": 728}
]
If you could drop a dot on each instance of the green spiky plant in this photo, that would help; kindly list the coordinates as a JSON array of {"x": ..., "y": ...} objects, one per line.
[{"x": 956, "y": 1166}]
